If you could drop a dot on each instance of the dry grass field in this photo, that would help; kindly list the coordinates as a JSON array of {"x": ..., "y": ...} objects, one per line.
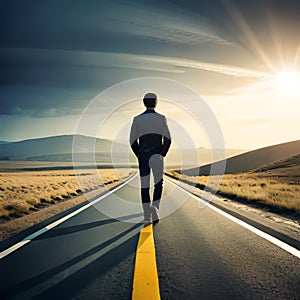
[
  {"x": 23, "y": 192},
  {"x": 254, "y": 188},
  {"x": 277, "y": 185}
]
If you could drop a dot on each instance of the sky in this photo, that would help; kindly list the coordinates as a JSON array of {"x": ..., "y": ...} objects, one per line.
[{"x": 241, "y": 57}]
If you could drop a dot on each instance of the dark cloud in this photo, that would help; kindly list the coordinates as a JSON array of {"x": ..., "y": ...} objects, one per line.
[
  {"x": 32, "y": 101},
  {"x": 94, "y": 25},
  {"x": 49, "y": 50}
]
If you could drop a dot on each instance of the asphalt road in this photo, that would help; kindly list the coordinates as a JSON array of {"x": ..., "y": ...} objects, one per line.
[{"x": 200, "y": 255}]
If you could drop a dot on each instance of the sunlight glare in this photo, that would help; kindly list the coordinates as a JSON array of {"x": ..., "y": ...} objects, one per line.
[{"x": 288, "y": 81}]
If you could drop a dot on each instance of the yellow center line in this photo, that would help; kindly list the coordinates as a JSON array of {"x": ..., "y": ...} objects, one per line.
[{"x": 145, "y": 280}]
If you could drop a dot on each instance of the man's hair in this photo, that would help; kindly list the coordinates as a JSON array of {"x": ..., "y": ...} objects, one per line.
[{"x": 150, "y": 100}]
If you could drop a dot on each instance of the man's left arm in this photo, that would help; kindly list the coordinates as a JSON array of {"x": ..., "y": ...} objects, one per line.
[{"x": 166, "y": 139}]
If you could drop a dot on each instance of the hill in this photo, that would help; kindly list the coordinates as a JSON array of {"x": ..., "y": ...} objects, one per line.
[
  {"x": 251, "y": 160},
  {"x": 59, "y": 148},
  {"x": 288, "y": 168},
  {"x": 191, "y": 158}
]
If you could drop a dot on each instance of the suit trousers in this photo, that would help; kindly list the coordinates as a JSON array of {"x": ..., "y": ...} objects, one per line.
[{"x": 151, "y": 162}]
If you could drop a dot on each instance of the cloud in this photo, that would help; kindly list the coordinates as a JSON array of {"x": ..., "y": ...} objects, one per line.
[
  {"x": 262, "y": 86},
  {"x": 213, "y": 67},
  {"x": 105, "y": 25},
  {"x": 253, "y": 119},
  {"x": 40, "y": 102},
  {"x": 168, "y": 23},
  {"x": 57, "y": 82},
  {"x": 159, "y": 63},
  {"x": 172, "y": 31},
  {"x": 163, "y": 64},
  {"x": 49, "y": 58}
]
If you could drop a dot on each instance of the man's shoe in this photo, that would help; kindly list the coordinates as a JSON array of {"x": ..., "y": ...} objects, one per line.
[{"x": 155, "y": 215}]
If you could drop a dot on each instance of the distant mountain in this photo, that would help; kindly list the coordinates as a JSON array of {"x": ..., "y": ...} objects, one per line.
[
  {"x": 59, "y": 148},
  {"x": 251, "y": 160},
  {"x": 191, "y": 158}
]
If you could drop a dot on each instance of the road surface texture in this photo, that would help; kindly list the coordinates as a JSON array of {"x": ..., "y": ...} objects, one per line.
[{"x": 200, "y": 255}]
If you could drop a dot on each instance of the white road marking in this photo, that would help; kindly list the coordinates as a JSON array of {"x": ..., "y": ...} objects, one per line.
[
  {"x": 30, "y": 237},
  {"x": 13, "y": 248},
  {"x": 258, "y": 232}
]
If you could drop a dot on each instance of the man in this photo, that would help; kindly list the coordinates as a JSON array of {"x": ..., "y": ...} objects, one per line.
[{"x": 150, "y": 141}]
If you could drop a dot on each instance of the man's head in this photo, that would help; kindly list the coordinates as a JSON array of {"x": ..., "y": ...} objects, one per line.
[{"x": 150, "y": 100}]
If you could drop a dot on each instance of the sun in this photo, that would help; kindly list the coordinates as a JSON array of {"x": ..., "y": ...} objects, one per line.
[{"x": 288, "y": 81}]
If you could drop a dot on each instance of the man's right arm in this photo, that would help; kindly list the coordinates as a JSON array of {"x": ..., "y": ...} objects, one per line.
[
  {"x": 134, "y": 139},
  {"x": 135, "y": 148}
]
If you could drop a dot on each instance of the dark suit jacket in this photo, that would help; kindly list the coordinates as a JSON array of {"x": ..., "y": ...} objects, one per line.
[{"x": 150, "y": 134}]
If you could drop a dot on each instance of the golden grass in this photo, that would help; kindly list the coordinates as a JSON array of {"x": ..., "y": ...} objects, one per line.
[
  {"x": 22, "y": 192},
  {"x": 274, "y": 191}
]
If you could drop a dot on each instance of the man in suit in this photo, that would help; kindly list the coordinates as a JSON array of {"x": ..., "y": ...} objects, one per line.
[{"x": 150, "y": 141}]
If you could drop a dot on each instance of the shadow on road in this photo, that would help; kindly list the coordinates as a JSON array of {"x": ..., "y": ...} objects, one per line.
[
  {"x": 67, "y": 279},
  {"x": 82, "y": 227}
]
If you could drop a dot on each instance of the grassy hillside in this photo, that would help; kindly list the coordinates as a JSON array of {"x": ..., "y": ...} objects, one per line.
[
  {"x": 275, "y": 185},
  {"x": 251, "y": 160},
  {"x": 287, "y": 169}
]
